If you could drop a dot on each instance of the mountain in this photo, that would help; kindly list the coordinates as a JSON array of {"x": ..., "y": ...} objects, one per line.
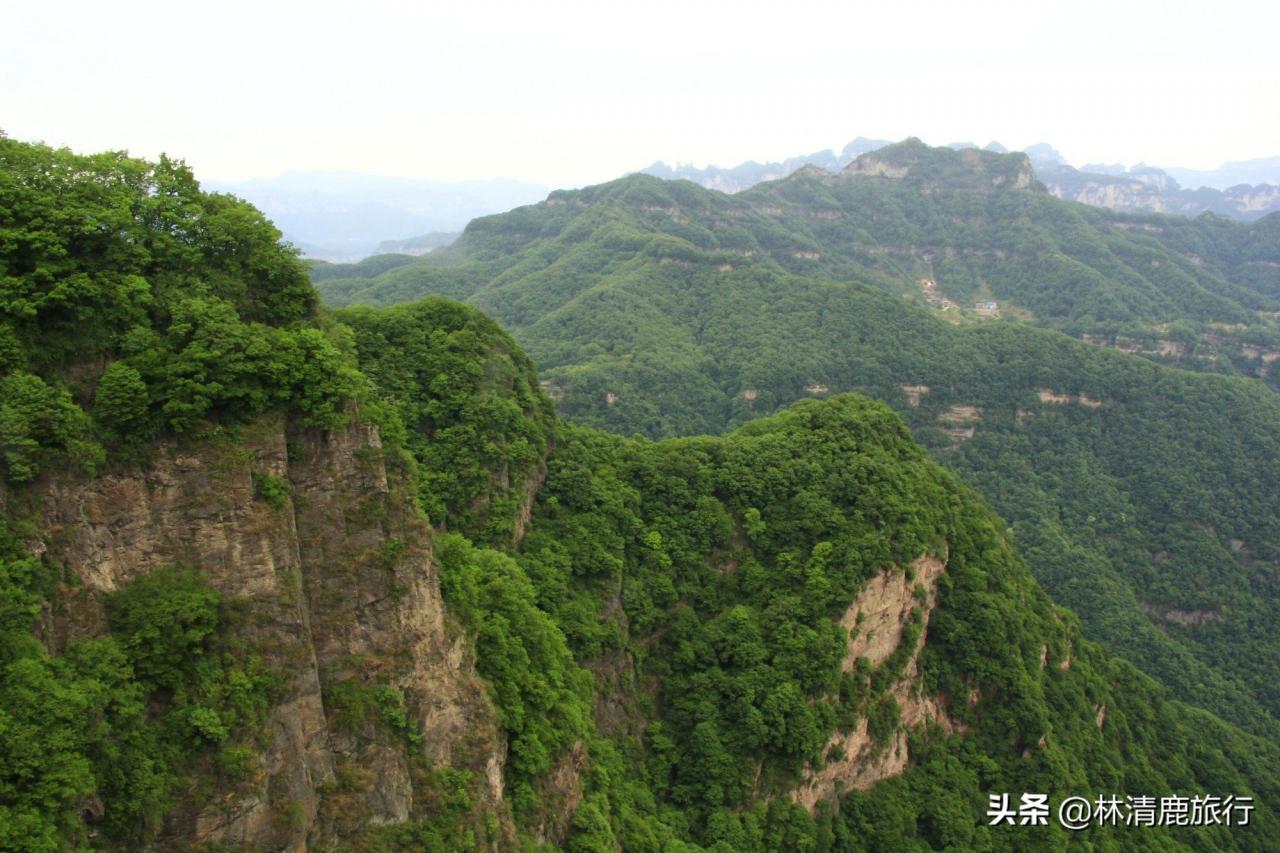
[
  {"x": 345, "y": 216},
  {"x": 1145, "y": 188},
  {"x": 746, "y": 175},
  {"x": 1264, "y": 170},
  {"x": 419, "y": 245},
  {"x": 276, "y": 578},
  {"x": 980, "y": 225},
  {"x": 945, "y": 229},
  {"x": 1247, "y": 191},
  {"x": 1145, "y": 496}
]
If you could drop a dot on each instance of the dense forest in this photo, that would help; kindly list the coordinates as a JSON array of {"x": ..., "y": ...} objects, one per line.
[
  {"x": 722, "y": 565},
  {"x": 1144, "y": 496},
  {"x": 133, "y": 306},
  {"x": 685, "y": 643}
]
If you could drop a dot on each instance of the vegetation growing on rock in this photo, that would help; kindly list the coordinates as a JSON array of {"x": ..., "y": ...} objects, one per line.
[{"x": 641, "y": 642}]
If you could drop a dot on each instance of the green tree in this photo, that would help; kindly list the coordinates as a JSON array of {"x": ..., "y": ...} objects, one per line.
[{"x": 121, "y": 401}]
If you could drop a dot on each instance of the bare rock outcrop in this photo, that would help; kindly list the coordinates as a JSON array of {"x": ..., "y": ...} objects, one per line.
[
  {"x": 877, "y": 621},
  {"x": 338, "y": 581}
]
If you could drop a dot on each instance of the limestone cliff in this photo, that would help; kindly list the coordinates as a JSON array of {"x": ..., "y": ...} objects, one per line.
[
  {"x": 877, "y": 622},
  {"x": 1144, "y": 189},
  {"x": 339, "y": 585}
]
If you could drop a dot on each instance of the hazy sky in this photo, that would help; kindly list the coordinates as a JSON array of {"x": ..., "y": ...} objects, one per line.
[{"x": 569, "y": 93}]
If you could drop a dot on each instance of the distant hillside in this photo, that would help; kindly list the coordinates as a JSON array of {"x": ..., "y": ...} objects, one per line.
[
  {"x": 1264, "y": 170},
  {"x": 1148, "y": 189},
  {"x": 1145, "y": 496},
  {"x": 419, "y": 245},
  {"x": 746, "y": 175},
  {"x": 969, "y": 234},
  {"x": 343, "y": 216},
  {"x": 1247, "y": 190}
]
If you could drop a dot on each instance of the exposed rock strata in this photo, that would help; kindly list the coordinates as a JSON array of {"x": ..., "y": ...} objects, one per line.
[
  {"x": 877, "y": 620},
  {"x": 338, "y": 582}
]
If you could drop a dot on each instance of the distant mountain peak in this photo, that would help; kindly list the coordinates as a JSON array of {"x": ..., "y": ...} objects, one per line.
[
  {"x": 1043, "y": 152},
  {"x": 1247, "y": 190},
  {"x": 948, "y": 168},
  {"x": 813, "y": 170}
]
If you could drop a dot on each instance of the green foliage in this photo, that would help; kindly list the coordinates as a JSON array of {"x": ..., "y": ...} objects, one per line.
[
  {"x": 724, "y": 563},
  {"x": 210, "y": 360},
  {"x": 543, "y": 697},
  {"x": 448, "y": 798},
  {"x": 71, "y": 727},
  {"x": 467, "y": 401},
  {"x": 736, "y": 637},
  {"x": 355, "y": 705},
  {"x": 238, "y": 763},
  {"x": 748, "y": 659},
  {"x": 38, "y": 424},
  {"x": 115, "y": 718},
  {"x": 122, "y": 402},
  {"x": 164, "y": 622},
  {"x": 188, "y": 300},
  {"x": 272, "y": 489},
  {"x": 663, "y": 309},
  {"x": 883, "y": 720},
  {"x": 591, "y": 829}
]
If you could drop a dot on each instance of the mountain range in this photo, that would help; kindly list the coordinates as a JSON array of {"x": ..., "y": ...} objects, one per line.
[
  {"x": 1106, "y": 380},
  {"x": 276, "y": 575},
  {"x": 343, "y": 217},
  {"x": 1241, "y": 190}
]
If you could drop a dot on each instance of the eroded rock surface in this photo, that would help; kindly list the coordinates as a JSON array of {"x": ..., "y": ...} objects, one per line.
[
  {"x": 877, "y": 621},
  {"x": 339, "y": 582}
]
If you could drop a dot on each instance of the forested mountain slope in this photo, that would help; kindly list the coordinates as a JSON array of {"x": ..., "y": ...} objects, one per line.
[
  {"x": 1146, "y": 497},
  {"x": 273, "y": 579},
  {"x": 707, "y": 584},
  {"x": 220, "y": 622},
  {"x": 951, "y": 229}
]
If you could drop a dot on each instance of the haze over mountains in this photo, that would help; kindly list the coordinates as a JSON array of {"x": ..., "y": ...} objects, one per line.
[
  {"x": 344, "y": 216},
  {"x": 1242, "y": 190}
]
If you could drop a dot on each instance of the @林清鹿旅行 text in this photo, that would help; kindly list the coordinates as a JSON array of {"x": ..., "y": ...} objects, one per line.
[{"x": 1077, "y": 812}]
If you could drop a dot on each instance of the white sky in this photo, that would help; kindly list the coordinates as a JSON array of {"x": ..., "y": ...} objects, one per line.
[{"x": 568, "y": 93}]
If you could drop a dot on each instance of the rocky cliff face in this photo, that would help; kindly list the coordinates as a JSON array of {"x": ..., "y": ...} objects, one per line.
[
  {"x": 877, "y": 622},
  {"x": 339, "y": 588},
  {"x": 1146, "y": 190}
]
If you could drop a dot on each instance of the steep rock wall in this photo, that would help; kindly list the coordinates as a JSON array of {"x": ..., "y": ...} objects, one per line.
[
  {"x": 339, "y": 583},
  {"x": 877, "y": 620}
]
